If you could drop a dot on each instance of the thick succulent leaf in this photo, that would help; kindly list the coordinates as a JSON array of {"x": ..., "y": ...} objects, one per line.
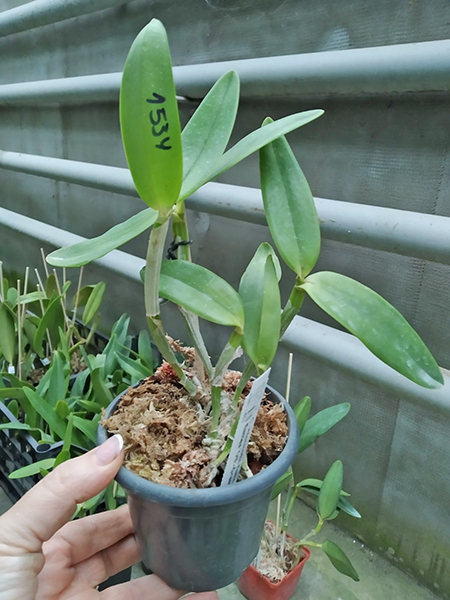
[
  {"x": 58, "y": 382},
  {"x": 302, "y": 410},
  {"x": 289, "y": 207},
  {"x": 330, "y": 491},
  {"x": 262, "y": 308},
  {"x": 256, "y": 140},
  {"x": 320, "y": 423},
  {"x": 339, "y": 560},
  {"x": 206, "y": 135},
  {"x": 93, "y": 303},
  {"x": 149, "y": 119},
  {"x": 89, "y": 250},
  {"x": 202, "y": 292},
  {"x": 282, "y": 483},
  {"x": 377, "y": 324},
  {"x": 8, "y": 342}
]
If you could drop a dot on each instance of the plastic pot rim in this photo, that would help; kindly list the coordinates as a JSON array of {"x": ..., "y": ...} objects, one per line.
[{"x": 198, "y": 498}]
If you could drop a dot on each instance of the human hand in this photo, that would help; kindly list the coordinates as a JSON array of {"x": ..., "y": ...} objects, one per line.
[{"x": 43, "y": 556}]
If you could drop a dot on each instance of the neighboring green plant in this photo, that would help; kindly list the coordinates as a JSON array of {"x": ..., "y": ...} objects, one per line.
[
  {"x": 331, "y": 498},
  {"x": 168, "y": 166},
  {"x": 34, "y": 324},
  {"x": 55, "y": 411}
]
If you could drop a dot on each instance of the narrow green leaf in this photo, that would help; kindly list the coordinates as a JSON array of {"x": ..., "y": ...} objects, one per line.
[
  {"x": 102, "y": 394},
  {"x": 25, "y": 427},
  {"x": 302, "y": 411},
  {"x": 68, "y": 437},
  {"x": 320, "y": 423},
  {"x": 47, "y": 412},
  {"x": 33, "y": 469},
  {"x": 207, "y": 133},
  {"x": 202, "y": 292},
  {"x": 64, "y": 346},
  {"x": 330, "y": 491},
  {"x": 58, "y": 383},
  {"x": 80, "y": 382},
  {"x": 110, "y": 501},
  {"x": 32, "y": 297},
  {"x": 80, "y": 298},
  {"x": 94, "y": 302},
  {"x": 282, "y": 483},
  {"x": 13, "y": 407},
  {"x": 262, "y": 308},
  {"x": 339, "y": 560},
  {"x": 90, "y": 406},
  {"x": 8, "y": 342},
  {"x": 52, "y": 320},
  {"x": 9, "y": 392},
  {"x": 62, "y": 409},
  {"x": 89, "y": 428},
  {"x": 315, "y": 483},
  {"x": 51, "y": 287},
  {"x": 62, "y": 457},
  {"x": 289, "y": 207},
  {"x": 145, "y": 350},
  {"x": 85, "y": 252},
  {"x": 377, "y": 324},
  {"x": 134, "y": 368},
  {"x": 149, "y": 119}
]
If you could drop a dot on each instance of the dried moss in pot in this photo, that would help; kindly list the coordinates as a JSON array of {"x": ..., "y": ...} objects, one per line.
[{"x": 166, "y": 432}]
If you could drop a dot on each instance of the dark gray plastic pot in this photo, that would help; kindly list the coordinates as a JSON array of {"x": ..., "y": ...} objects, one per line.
[{"x": 203, "y": 539}]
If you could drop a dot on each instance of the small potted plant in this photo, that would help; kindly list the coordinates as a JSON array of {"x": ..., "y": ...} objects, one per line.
[
  {"x": 204, "y": 445},
  {"x": 275, "y": 573}
]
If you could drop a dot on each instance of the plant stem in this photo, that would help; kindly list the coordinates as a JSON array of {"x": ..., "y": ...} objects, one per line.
[
  {"x": 192, "y": 324},
  {"x": 153, "y": 267},
  {"x": 151, "y": 290},
  {"x": 225, "y": 358},
  {"x": 181, "y": 233},
  {"x": 292, "y": 306},
  {"x": 249, "y": 370}
]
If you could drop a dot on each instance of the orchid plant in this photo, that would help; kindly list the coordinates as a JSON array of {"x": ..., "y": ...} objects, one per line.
[{"x": 167, "y": 166}]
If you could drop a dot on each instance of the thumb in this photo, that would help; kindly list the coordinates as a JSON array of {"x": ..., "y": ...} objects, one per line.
[{"x": 50, "y": 503}]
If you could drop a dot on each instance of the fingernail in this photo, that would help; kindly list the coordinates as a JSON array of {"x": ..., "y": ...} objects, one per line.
[{"x": 109, "y": 450}]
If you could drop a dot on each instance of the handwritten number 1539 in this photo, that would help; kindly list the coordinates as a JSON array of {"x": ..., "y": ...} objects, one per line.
[{"x": 158, "y": 119}]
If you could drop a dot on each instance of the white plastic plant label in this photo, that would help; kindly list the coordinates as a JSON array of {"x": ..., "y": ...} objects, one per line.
[
  {"x": 244, "y": 429},
  {"x": 11, "y": 369}
]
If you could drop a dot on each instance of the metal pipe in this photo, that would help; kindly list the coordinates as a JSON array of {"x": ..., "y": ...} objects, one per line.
[
  {"x": 346, "y": 353},
  {"x": 398, "y": 68},
  {"x": 116, "y": 261},
  {"x": 399, "y": 231},
  {"x": 335, "y": 348},
  {"x": 43, "y": 12}
]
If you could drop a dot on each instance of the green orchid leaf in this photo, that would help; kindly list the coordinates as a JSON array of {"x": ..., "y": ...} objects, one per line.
[
  {"x": 302, "y": 411},
  {"x": 52, "y": 320},
  {"x": 25, "y": 427},
  {"x": 51, "y": 287},
  {"x": 282, "y": 483},
  {"x": 134, "y": 368},
  {"x": 339, "y": 560},
  {"x": 93, "y": 303},
  {"x": 33, "y": 469},
  {"x": 379, "y": 326},
  {"x": 88, "y": 250},
  {"x": 80, "y": 298},
  {"x": 87, "y": 427},
  {"x": 256, "y": 140},
  {"x": 102, "y": 393},
  {"x": 202, "y": 292},
  {"x": 58, "y": 383},
  {"x": 8, "y": 341},
  {"x": 317, "y": 484},
  {"x": 32, "y": 297},
  {"x": 14, "y": 408},
  {"x": 149, "y": 119},
  {"x": 330, "y": 491},
  {"x": 145, "y": 350},
  {"x": 90, "y": 406},
  {"x": 320, "y": 423},
  {"x": 12, "y": 392},
  {"x": 262, "y": 308},
  {"x": 80, "y": 383},
  {"x": 289, "y": 207},
  {"x": 48, "y": 413},
  {"x": 62, "y": 409},
  {"x": 62, "y": 457},
  {"x": 207, "y": 133}
]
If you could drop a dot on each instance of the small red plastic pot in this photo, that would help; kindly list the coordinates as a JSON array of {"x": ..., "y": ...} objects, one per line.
[{"x": 254, "y": 586}]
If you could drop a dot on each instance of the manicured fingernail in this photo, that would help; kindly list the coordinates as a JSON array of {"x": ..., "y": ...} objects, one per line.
[{"x": 109, "y": 450}]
